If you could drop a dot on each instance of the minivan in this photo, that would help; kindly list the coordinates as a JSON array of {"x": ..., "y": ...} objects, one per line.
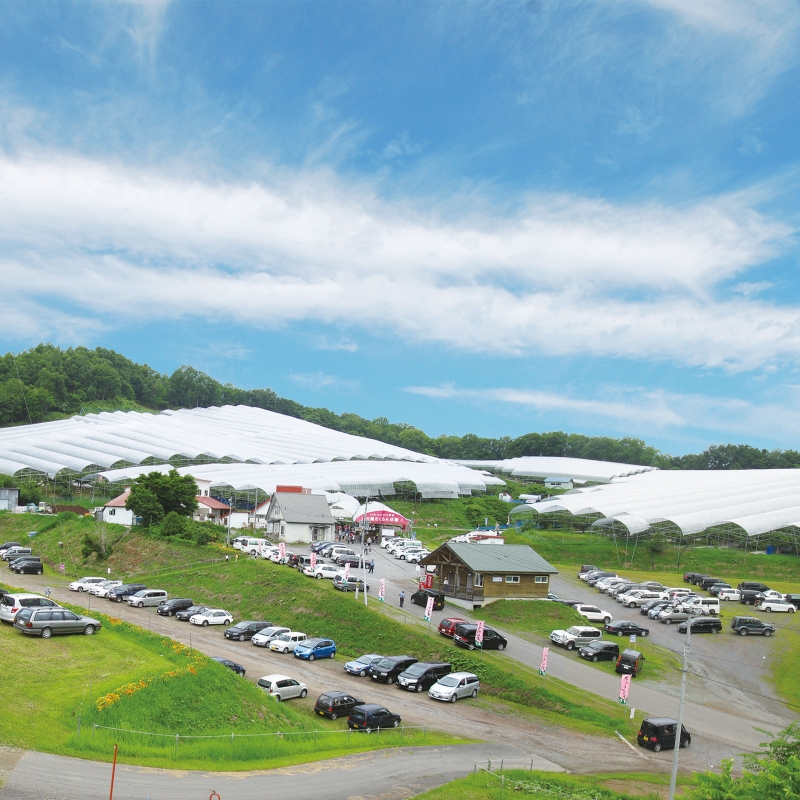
[
  {"x": 575, "y": 636},
  {"x": 753, "y": 585},
  {"x": 630, "y": 662},
  {"x": 455, "y": 686},
  {"x": 660, "y": 732},
  {"x": 707, "y": 605},
  {"x": 16, "y": 552},
  {"x": 702, "y": 625},
  {"x": 422, "y": 675},
  {"x": 369, "y": 717},
  {"x": 123, "y": 592},
  {"x": 148, "y": 597},
  {"x": 171, "y": 607},
  {"x": 387, "y": 669},
  {"x": 10, "y": 604}
]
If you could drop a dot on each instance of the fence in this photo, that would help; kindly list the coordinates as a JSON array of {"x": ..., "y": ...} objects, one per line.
[
  {"x": 542, "y": 790},
  {"x": 273, "y": 742}
]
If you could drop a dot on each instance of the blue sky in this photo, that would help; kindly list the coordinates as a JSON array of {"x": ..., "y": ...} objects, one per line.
[{"x": 489, "y": 217}]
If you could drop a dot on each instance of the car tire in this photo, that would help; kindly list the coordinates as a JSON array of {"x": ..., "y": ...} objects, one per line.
[
  {"x": 89, "y": 630},
  {"x": 656, "y": 748},
  {"x": 743, "y": 632},
  {"x": 118, "y": 599},
  {"x": 474, "y": 693},
  {"x": 318, "y": 576},
  {"x": 367, "y": 730},
  {"x": 668, "y": 622},
  {"x": 501, "y": 646},
  {"x": 140, "y": 605},
  {"x": 419, "y": 688},
  {"x": 241, "y": 637},
  {"x": 396, "y": 723},
  {"x": 334, "y": 716},
  {"x": 685, "y": 744},
  {"x": 389, "y": 681},
  {"x": 303, "y": 693},
  {"x": 39, "y": 572},
  {"x": 278, "y": 698},
  {"x": 766, "y": 633},
  {"x": 453, "y": 697},
  {"x": 619, "y": 633},
  {"x": 570, "y": 645},
  {"x": 47, "y": 633},
  {"x": 80, "y": 588},
  {"x": 644, "y": 633},
  {"x": 363, "y": 673},
  {"x": 311, "y": 657},
  {"x": 768, "y": 610},
  {"x": 333, "y": 655},
  {"x": 789, "y": 610},
  {"x": 714, "y": 630},
  {"x": 205, "y": 623},
  {"x": 226, "y": 623},
  {"x": 594, "y": 659}
]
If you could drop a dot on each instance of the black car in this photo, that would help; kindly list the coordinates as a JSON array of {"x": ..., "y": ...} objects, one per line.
[
  {"x": 745, "y": 626},
  {"x": 698, "y": 576},
  {"x": 24, "y": 566},
  {"x": 465, "y": 636},
  {"x": 753, "y": 586},
  {"x": 660, "y": 733},
  {"x": 188, "y": 613},
  {"x": 622, "y": 627},
  {"x": 702, "y": 625},
  {"x": 748, "y": 597},
  {"x": 231, "y": 665},
  {"x": 335, "y": 704},
  {"x": 171, "y": 607},
  {"x": 707, "y": 583},
  {"x": 420, "y": 598},
  {"x": 246, "y": 629},
  {"x": 587, "y": 568},
  {"x": 649, "y": 605},
  {"x": 122, "y": 593},
  {"x": 718, "y": 587},
  {"x": 629, "y": 662},
  {"x": 421, "y": 676},
  {"x": 600, "y": 650},
  {"x": 688, "y": 577},
  {"x": 387, "y": 669},
  {"x": 368, "y": 717},
  {"x": 598, "y": 576},
  {"x": 794, "y": 599}
]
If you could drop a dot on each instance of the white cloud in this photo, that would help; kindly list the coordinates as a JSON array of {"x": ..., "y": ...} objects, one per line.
[
  {"x": 586, "y": 276},
  {"x": 320, "y": 380}
]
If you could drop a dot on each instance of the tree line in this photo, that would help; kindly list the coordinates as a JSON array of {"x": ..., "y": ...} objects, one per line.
[{"x": 47, "y": 382}]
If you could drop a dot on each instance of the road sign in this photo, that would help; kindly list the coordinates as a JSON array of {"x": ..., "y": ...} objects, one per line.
[{"x": 633, "y": 638}]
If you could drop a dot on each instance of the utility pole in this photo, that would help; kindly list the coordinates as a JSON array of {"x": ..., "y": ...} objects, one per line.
[
  {"x": 363, "y": 545},
  {"x": 230, "y": 511},
  {"x": 674, "y": 776}
]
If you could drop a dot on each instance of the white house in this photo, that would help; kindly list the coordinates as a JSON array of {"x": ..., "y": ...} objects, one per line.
[
  {"x": 115, "y": 511},
  {"x": 295, "y": 517},
  {"x": 211, "y": 510},
  {"x": 559, "y": 483}
]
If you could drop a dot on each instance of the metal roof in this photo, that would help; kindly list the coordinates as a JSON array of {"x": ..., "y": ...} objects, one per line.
[
  {"x": 518, "y": 558},
  {"x": 311, "y": 509}
]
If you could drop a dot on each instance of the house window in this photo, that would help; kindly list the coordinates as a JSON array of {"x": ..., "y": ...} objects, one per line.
[
  {"x": 512, "y": 578},
  {"x": 479, "y": 579},
  {"x": 112, "y": 512},
  {"x": 542, "y": 579}
]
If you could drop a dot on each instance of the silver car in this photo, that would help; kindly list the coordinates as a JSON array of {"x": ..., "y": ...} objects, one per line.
[
  {"x": 455, "y": 686},
  {"x": 282, "y": 687},
  {"x": 47, "y": 622}
]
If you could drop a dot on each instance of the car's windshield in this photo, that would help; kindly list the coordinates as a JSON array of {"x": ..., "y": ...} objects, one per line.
[
  {"x": 416, "y": 669},
  {"x": 364, "y": 660},
  {"x": 448, "y": 681},
  {"x": 385, "y": 663},
  {"x": 284, "y": 637}
]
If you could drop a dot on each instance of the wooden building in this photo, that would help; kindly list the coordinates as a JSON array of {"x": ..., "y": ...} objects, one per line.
[{"x": 472, "y": 575}]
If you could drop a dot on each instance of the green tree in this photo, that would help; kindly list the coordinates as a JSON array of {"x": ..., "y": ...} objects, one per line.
[
  {"x": 156, "y": 494},
  {"x": 144, "y": 503},
  {"x": 174, "y": 525}
]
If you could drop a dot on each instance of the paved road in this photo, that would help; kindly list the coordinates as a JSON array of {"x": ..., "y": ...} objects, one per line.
[{"x": 395, "y": 774}]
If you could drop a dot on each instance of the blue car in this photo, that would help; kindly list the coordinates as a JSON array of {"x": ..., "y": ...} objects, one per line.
[{"x": 315, "y": 648}]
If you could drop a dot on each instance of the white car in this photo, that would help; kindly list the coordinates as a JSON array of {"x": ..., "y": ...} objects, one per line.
[
  {"x": 729, "y": 594},
  {"x": 605, "y": 584},
  {"x": 282, "y": 687},
  {"x": 266, "y": 636},
  {"x": 84, "y": 584},
  {"x": 593, "y": 613},
  {"x": 214, "y": 616},
  {"x": 405, "y": 552},
  {"x": 102, "y": 589},
  {"x": 323, "y": 571},
  {"x": 287, "y": 642},
  {"x": 267, "y": 552},
  {"x": 417, "y": 556},
  {"x": 771, "y": 594},
  {"x": 638, "y": 599},
  {"x": 776, "y": 605}
]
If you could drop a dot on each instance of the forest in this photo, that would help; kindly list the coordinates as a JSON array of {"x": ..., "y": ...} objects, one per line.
[{"x": 46, "y": 383}]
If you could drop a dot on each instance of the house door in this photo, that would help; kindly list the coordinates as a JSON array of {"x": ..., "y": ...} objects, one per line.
[{"x": 469, "y": 580}]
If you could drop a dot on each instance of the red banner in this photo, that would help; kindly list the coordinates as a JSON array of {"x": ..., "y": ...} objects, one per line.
[{"x": 384, "y": 518}]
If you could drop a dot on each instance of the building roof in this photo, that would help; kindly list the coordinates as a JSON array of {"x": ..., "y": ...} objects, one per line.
[
  {"x": 310, "y": 509},
  {"x": 212, "y": 503},
  {"x": 119, "y": 501},
  {"x": 581, "y": 470},
  {"x": 517, "y": 558}
]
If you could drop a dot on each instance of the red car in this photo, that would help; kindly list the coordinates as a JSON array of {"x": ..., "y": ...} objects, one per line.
[{"x": 447, "y": 627}]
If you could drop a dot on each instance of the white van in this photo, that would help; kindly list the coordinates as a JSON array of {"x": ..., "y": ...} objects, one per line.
[
  {"x": 708, "y": 605},
  {"x": 341, "y": 550},
  {"x": 148, "y": 597}
]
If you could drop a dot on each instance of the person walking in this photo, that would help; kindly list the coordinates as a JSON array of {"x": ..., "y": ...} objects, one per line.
[
  {"x": 227, "y": 558},
  {"x": 402, "y": 598},
  {"x": 47, "y": 592}
]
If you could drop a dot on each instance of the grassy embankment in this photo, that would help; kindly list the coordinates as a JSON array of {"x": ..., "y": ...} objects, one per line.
[
  {"x": 126, "y": 677},
  {"x": 550, "y": 786}
]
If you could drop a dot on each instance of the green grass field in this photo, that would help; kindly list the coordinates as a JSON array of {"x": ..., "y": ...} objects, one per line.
[{"x": 550, "y": 786}]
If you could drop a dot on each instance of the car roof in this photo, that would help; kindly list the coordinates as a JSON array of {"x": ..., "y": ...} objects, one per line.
[
  {"x": 275, "y": 677},
  {"x": 336, "y": 694},
  {"x": 661, "y": 721},
  {"x": 370, "y": 707},
  {"x": 462, "y": 675}
]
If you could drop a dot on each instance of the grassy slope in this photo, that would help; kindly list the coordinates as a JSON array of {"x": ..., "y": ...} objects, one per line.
[{"x": 547, "y": 786}]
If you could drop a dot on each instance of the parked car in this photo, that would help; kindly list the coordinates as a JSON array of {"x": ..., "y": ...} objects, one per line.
[
  {"x": 82, "y": 584},
  {"x": 658, "y": 608},
  {"x": 745, "y": 626},
  {"x": 16, "y": 552},
  {"x": 753, "y": 586},
  {"x": 447, "y": 627},
  {"x": 312, "y": 649},
  {"x": 23, "y": 566},
  {"x": 660, "y": 733},
  {"x": 794, "y": 599},
  {"x": 575, "y": 636},
  {"x": 593, "y": 613},
  {"x": 623, "y": 627},
  {"x": 123, "y": 592},
  {"x": 585, "y": 576},
  {"x": 387, "y": 669},
  {"x": 7, "y": 546},
  {"x": 593, "y": 577},
  {"x": 776, "y": 605},
  {"x": 688, "y": 577},
  {"x": 770, "y": 594},
  {"x": 369, "y": 717},
  {"x": 748, "y": 597},
  {"x": 47, "y": 622},
  {"x": 641, "y": 598},
  {"x": 629, "y": 662},
  {"x": 587, "y": 568},
  {"x": 698, "y": 576},
  {"x": 710, "y": 606},
  {"x": 21, "y": 559},
  {"x": 282, "y": 687},
  {"x": 148, "y": 597},
  {"x": 465, "y": 636},
  {"x": 350, "y": 583},
  {"x": 266, "y": 636},
  {"x": 188, "y": 613},
  {"x": 231, "y": 665},
  {"x": 422, "y": 675},
  {"x": 455, "y": 686},
  {"x": 361, "y": 665},
  {"x": 416, "y": 556},
  {"x": 212, "y": 616},
  {"x": 728, "y": 594},
  {"x": 335, "y": 704},
  {"x": 103, "y": 589},
  {"x": 171, "y": 607},
  {"x": 323, "y": 571},
  {"x": 287, "y": 641},
  {"x": 11, "y": 603},
  {"x": 420, "y": 598},
  {"x": 702, "y": 625},
  {"x": 673, "y": 614},
  {"x": 599, "y": 650},
  {"x": 246, "y": 629},
  {"x": 718, "y": 587},
  {"x": 707, "y": 582}
]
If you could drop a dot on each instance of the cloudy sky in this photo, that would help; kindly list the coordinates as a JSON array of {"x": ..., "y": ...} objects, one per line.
[{"x": 490, "y": 217}]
